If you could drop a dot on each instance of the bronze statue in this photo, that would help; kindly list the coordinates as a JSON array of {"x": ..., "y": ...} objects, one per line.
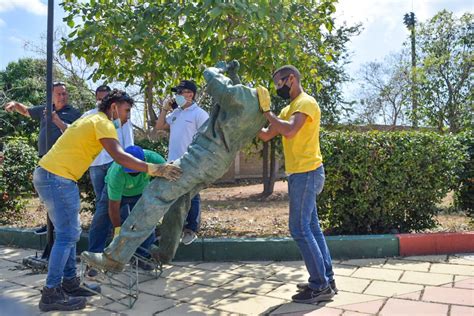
[{"x": 235, "y": 120}]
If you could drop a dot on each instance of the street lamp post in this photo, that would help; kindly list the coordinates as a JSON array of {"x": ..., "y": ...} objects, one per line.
[
  {"x": 49, "y": 105},
  {"x": 41, "y": 264},
  {"x": 409, "y": 20}
]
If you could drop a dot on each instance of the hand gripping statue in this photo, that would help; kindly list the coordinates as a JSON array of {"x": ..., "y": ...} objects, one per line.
[{"x": 235, "y": 120}]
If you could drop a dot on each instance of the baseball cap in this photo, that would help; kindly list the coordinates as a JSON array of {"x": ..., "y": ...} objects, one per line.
[
  {"x": 185, "y": 84},
  {"x": 137, "y": 152}
]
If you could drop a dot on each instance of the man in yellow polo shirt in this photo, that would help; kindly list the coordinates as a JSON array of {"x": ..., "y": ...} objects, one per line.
[{"x": 299, "y": 123}]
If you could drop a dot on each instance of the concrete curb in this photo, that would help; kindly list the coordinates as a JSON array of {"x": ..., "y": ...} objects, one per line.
[
  {"x": 435, "y": 244},
  {"x": 285, "y": 249}
]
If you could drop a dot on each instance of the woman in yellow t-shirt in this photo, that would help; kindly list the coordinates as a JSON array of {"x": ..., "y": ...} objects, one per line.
[{"x": 55, "y": 180}]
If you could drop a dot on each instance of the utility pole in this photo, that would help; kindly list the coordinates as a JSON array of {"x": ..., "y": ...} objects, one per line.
[{"x": 409, "y": 20}]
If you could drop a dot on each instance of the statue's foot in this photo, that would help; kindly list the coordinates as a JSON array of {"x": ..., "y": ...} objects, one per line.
[{"x": 102, "y": 262}]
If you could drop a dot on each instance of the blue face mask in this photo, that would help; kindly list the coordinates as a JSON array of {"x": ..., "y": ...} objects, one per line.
[
  {"x": 180, "y": 100},
  {"x": 117, "y": 122}
]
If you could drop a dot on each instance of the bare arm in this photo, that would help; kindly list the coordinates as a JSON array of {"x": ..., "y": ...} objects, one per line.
[
  {"x": 268, "y": 133},
  {"x": 161, "y": 121},
  {"x": 17, "y": 107},
  {"x": 285, "y": 128},
  {"x": 114, "y": 213},
  {"x": 167, "y": 171},
  {"x": 166, "y": 108},
  {"x": 112, "y": 146},
  {"x": 58, "y": 122}
]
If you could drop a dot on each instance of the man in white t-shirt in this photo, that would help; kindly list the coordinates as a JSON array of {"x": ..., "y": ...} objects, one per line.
[
  {"x": 98, "y": 168},
  {"x": 98, "y": 230},
  {"x": 183, "y": 117}
]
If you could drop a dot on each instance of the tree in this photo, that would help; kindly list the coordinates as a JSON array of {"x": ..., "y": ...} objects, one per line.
[
  {"x": 384, "y": 90},
  {"x": 155, "y": 44},
  {"x": 76, "y": 71},
  {"x": 25, "y": 81},
  {"x": 445, "y": 77}
]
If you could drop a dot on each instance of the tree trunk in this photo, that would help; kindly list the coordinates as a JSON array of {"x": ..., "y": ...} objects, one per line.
[
  {"x": 273, "y": 167},
  {"x": 150, "y": 114},
  {"x": 269, "y": 174},
  {"x": 265, "y": 176}
]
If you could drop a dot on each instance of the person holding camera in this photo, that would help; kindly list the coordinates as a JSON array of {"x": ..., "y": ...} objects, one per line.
[{"x": 182, "y": 117}]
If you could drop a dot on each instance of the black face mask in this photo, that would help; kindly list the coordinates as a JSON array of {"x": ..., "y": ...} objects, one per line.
[{"x": 284, "y": 92}]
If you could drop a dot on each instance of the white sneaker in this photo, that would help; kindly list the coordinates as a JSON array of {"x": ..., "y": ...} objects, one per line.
[{"x": 188, "y": 237}]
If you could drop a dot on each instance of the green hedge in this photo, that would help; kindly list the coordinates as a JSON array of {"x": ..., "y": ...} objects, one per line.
[
  {"x": 386, "y": 182},
  {"x": 376, "y": 182},
  {"x": 465, "y": 194},
  {"x": 159, "y": 145},
  {"x": 16, "y": 174}
]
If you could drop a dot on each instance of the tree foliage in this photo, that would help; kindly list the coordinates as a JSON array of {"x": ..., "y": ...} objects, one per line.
[
  {"x": 16, "y": 176},
  {"x": 74, "y": 71},
  {"x": 25, "y": 81},
  {"x": 157, "y": 43},
  {"x": 446, "y": 58},
  {"x": 385, "y": 90},
  {"x": 443, "y": 76}
]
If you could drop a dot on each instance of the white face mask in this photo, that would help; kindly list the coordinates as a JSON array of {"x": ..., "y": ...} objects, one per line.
[{"x": 180, "y": 100}]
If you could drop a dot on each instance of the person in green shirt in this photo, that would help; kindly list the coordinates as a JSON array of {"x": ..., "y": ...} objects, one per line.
[{"x": 124, "y": 187}]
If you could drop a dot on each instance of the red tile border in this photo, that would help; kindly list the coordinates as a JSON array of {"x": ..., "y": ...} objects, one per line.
[{"x": 435, "y": 243}]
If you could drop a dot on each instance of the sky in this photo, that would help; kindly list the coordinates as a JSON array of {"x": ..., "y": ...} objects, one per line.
[{"x": 384, "y": 31}]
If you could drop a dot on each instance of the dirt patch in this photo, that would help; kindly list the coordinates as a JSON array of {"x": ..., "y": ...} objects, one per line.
[{"x": 239, "y": 211}]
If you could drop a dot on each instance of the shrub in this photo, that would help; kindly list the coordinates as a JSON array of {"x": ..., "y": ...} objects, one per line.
[
  {"x": 160, "y": 145},
  {"x": 87, "y": 193},
  {"x": 381, "y": 182},
  {"x": 464, "y": 198},
  {"x": 16, "y": 174}
]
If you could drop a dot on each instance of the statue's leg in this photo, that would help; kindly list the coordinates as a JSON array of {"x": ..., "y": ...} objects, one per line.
[
  {"x": 157, "y": 198},
  {"x": 172, "y": 225},
  {"x": 136, "y": 228}
]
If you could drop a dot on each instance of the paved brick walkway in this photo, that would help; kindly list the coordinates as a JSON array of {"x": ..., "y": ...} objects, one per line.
[{"x": 428, "y": 285}]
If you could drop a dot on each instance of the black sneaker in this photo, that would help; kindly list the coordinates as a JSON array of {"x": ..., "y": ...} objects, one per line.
[
  {"x": 42, "y": 230},
  {"x": 54, "y": 299},
  {"x": 332, "y": 284},
  {"x": 91, "y": 272},
  {"x": 309, "y": 296},
  {"x": 73, "y": 287}
]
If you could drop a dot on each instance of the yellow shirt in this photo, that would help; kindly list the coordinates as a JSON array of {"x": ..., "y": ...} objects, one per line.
[
  {"x": 302, "y": 152},
  {"x": 75, "y": 150}
]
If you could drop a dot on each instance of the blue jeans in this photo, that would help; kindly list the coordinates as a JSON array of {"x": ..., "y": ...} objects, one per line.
[
  {"x": 97, "y": 174},
  {"x": 61, "y": 198},
  {"x": 101, "y": 225},
  {"x": 303, "y": 190},
  {"x": 193, "y": 218}
]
